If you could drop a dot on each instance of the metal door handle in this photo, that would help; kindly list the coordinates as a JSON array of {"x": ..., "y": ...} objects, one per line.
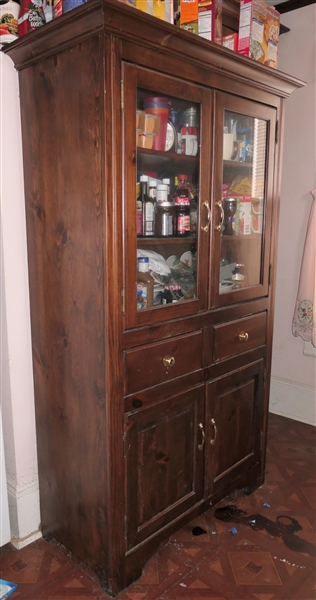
[
  {"x": 220, "y": 206},
  {"x": 212, "y": 440},
  {"x": 201, "y": 427},
  {"x": 207, "y": 206}
]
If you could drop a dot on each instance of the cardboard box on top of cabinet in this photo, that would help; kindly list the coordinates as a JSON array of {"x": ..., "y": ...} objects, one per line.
[
  {"x": 210, "y": 20},
  {"x": 186, "y": 15},
  {"x": 259, "y": 30},
  {"x": 231, "y": 41},
  {"x": 163, "y": 9}
]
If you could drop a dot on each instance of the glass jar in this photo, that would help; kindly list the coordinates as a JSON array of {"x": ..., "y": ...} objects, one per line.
[{"x": 164, "y": 219}]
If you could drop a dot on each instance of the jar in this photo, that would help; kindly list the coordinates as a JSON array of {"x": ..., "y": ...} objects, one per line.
[
  {"x": 164, "y": 219},
  {"x": 162, "y": 192}
]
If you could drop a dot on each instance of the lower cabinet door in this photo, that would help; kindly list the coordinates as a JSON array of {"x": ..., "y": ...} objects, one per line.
[
  {"x": 164, "y": 449},
  {"x": 234, "y": 424}
]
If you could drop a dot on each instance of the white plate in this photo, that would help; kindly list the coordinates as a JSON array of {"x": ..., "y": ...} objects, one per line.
[
  {"x": 170, "y": 260},
  {"x": 187, "y": 258}
]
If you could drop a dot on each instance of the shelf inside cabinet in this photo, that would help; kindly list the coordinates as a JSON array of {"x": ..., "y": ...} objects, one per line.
[
  {"x": 149, "y": 159},
  {"x": 241, "y": 238},
  {"x": 155, "y": 241},
  {"x": 236, "y": 163}
]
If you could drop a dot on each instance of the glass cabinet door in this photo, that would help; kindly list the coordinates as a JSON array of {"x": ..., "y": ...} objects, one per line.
[
  {"x": 164, "y": 263},
  {"x": 242, "y": 208}
]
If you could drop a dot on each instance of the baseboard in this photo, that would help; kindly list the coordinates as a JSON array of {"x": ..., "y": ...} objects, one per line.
[
  {"x": 293, "y": 400},
  {"x": 24, "y": 512}
]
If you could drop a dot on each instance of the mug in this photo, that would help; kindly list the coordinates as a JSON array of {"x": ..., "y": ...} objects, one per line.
[
  {"x": 230, "y": 147},
  {"x": 191, "y": 144}
]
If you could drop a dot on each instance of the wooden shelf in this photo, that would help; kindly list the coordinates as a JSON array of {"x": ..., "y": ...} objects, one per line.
[{"x": 157, "y": 241}]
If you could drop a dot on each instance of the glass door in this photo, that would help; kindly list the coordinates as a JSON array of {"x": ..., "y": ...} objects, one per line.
[
  {"x": 166, "y": 257},
  {"x": 242, "y": 207}
]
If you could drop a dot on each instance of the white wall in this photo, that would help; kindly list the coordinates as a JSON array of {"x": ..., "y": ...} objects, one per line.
[
  {"x": 16, "y": 385},
  {"x": 293, "y": 373}
]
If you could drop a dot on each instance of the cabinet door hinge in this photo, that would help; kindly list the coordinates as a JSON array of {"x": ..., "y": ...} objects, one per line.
[
  {"x": 123, "y": 300},
  {"x": 277, "y": 132},
  {"x": 124, "y": 444},
  {"x": 122, "y": 96},
  {"x": 270, "y": 274},
  {"x": 261, "y": 440},
  {"x": 125, "y": 527},
  {"x": 264, "y": 377}
]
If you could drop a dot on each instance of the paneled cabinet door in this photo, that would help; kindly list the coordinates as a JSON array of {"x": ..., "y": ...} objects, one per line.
[
  {"x": 164, "y": 463},
  {"x": 234, "y": 425},
  {"x": 167, "y": 199},
  {"x": 245, "y": 134}
]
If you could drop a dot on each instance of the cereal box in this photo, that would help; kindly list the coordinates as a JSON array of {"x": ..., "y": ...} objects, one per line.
[
  {"x": 210, "y": 20},
  {"x": 231, "y": 41},
  {"x": 158, "y": 8},
  {"x": 259, "y": 29},
  {"x": 186, "y": 14}
]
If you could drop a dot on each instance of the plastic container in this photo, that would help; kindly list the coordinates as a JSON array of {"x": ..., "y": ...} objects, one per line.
[{"x": 159, "y": 106}]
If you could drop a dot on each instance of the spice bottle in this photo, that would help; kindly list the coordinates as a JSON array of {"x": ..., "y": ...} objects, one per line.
[{"x": 145, "y": 285}]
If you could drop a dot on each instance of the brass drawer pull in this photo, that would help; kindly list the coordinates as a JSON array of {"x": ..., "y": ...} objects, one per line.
[
  {"x": 200, "y": 446},
  {"x": 220, "y": 205},
  {"x": 243, "y": 336},
  {"x": 207, "y": 206},
  {"x": 169, "y": 361},
  {"x": 212, "y": 440}
]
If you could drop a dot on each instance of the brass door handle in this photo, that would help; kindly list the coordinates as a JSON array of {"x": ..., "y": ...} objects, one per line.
[
  {"x": 207, "y": 206},
  {"x": 201, "y": 427},
  {"x": 169, "y": 361},
  {"x": 212, "y": 440},
  {"x": 220, "y": 206},
  {"x": 243, "y": 336}
]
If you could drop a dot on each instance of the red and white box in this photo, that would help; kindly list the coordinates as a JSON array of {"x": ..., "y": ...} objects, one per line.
[
  {"x": 210, "y": 20},
  {"x": 243, "y": 215},
  {"x": 259, "y": 30},
  {"x": 231, "y": 41}
]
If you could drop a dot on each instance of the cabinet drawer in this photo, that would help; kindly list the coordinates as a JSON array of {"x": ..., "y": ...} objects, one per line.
[
  {"x": 239, "y": 336},
  {"x": 155, "y": 363}
]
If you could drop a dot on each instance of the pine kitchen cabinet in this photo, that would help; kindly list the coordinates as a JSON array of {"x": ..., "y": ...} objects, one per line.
[{"x": 145, "y": 417}]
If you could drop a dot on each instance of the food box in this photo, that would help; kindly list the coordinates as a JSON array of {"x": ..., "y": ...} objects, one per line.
[
  {"x": 186, "y": 14},
  {"x": 243, "y": 215},
  {"x": 259, "y": 29},
  {"x": 256, "y": 215},
  {"x": 147, "y": 127},
  {"x": 210, "y": 20},
  {"x": 231, "y": 41},
  {"x": 158, "y": 8}
]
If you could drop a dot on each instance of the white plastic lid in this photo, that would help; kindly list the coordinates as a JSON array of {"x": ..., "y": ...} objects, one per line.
[
  {"x": 162, "y": 187},
  {"x": 152, "y": 182},
  {"x": 144, "y": 178}
]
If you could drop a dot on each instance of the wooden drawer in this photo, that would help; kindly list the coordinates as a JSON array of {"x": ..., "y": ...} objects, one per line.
[
  {"x": 155, "y": 363},
  {"x": 239, "y": 336}
]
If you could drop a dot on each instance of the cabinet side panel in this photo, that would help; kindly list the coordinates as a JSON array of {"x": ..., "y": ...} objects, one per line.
[{"x": 63, "y": 160}]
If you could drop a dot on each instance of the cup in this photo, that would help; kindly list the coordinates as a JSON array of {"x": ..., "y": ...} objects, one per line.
[{"x": 230, "y": 147}]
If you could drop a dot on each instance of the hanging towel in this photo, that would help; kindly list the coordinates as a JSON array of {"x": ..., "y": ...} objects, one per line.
[{"x": 304, "y": 319}]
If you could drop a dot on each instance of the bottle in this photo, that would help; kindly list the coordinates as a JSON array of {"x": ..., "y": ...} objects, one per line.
[
  {"x": 182, "y": 197},
  {"x": 162, "y": 193},
  {"x": 229, "y": 206},
  {"x": 31, "y": 16},
  {"x": 140, "y": 204},
  {"x": 164, "y": 219},
  {"x": 148, "y": 209},
  {"x": 145, "y": 285},
  {"x": 166, "y": 181},
  {"x": 152, "y": 189},
  {"x": 9, "y": 14}
]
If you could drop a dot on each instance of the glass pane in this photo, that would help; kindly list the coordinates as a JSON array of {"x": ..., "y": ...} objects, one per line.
[
  {"x": 243, "y": 202},
  {"x": 167, "y": 192}
]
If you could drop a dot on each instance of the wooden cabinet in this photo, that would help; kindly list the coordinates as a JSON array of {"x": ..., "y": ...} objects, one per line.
[{"x": 145, "y": 413}]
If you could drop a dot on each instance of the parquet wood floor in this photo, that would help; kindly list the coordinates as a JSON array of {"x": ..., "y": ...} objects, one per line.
[{"x": 271, "y": 556}]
